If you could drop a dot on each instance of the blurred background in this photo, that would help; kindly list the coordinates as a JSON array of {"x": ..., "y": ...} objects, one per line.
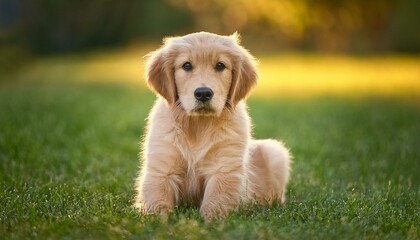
[
  {"x": 355, "y": 26},
  {"x": 333, "y": 38}
]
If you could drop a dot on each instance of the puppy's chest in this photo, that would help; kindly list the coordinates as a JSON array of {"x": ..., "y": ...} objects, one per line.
[
  {"x": 198, "y": 145},
  {"x": 196, "y": 156},
  {"x": 195, "y": 150}
]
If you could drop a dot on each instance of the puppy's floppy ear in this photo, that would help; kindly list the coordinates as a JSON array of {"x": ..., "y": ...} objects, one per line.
[
  {"x": 244, "y": 73},
  {"x": 160, "y": 75}
]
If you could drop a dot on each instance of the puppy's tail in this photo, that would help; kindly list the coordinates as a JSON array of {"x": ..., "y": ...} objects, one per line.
[{"x": 269, "y": 171}]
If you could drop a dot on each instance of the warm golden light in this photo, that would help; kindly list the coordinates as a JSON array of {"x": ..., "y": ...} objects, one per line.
[
  {"x": 303, "y": 75},
  {"x": 290, "y": 75}
]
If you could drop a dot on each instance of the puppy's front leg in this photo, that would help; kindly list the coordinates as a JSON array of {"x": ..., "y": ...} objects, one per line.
[
  {"x": 156, "y": 195},
  {"x": 159, "y": 185},
  {"x": 222, "y": 193}
]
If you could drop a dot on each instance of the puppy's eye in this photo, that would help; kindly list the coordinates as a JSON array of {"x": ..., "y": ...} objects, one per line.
[
  {"x": 187, "y": 66},
  {"x": 220, "y": 67}
]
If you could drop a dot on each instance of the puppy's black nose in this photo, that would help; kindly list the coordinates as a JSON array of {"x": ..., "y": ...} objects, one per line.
[{"x": 203, "y": 94}]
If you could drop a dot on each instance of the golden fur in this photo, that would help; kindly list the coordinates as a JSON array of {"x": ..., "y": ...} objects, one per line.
[{"x": 203, "y": 153}]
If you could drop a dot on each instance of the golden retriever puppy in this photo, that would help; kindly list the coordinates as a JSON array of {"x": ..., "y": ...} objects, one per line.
[{"x": 198, "y": 147}]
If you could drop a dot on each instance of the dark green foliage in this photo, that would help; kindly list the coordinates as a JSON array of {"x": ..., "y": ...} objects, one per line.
[
  {"x": 69, "y": 156},
  {"x": 48, "y": 26},
  {"x": 51, "y": 26}
]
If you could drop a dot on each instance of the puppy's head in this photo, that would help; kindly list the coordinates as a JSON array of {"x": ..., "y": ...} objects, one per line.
[{"x": 201, "y": 72}]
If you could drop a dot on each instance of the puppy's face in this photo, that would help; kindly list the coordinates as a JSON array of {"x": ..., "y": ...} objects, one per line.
[
  {"x": 203, "y": 78},
  {"x": 202, "y": 73}
]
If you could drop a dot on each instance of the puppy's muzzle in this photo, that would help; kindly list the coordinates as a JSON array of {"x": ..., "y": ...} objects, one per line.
[{"x": 203, "y": 94}]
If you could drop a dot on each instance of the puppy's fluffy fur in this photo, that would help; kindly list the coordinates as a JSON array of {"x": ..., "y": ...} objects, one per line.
[{"x": 202, "y": 152}]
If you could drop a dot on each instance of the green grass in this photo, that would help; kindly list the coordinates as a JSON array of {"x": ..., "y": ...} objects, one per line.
[{"x": 69, "y": 157}]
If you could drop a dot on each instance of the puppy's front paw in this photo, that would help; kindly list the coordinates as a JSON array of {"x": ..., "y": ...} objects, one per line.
[
  {"x": 163, "y": 213},
  {"x": 155, "y": 209},
  {"x": 210, "y": 212}
]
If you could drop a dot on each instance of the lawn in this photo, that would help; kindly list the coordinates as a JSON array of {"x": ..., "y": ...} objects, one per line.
[{"x": 69, "y": 145}]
